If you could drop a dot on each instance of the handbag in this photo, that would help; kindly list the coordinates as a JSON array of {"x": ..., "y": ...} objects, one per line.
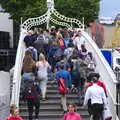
[
  {"x": 107, "y": 114},
  {"x": 91, "y": 65},
  {"x": 62, "y": 87}
]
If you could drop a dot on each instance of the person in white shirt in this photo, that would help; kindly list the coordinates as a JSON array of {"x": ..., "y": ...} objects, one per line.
[
  {"x": 79, "y": 40},
  {"x": 96, "y": 95},
  {"x": 69, "y": 51}
]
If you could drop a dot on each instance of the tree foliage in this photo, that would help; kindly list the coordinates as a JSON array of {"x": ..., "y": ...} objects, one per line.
[{"x": 88, "y": 9}]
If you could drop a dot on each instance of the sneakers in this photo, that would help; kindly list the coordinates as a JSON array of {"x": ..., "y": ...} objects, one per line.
[
  {"x": 43, "y": 99},
  {"x": 36, "y": 118}
]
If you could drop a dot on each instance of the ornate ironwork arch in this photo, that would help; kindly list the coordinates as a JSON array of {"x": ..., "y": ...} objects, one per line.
[{"x": 47, "y": 17}]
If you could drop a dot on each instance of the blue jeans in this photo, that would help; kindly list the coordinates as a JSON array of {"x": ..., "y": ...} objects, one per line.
[{"x": 28, "y": 76}]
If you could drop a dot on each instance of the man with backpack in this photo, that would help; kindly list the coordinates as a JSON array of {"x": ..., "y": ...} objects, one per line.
[
  {"x": 34, "y": 52},
  {"x": 39, "y": 43},
  {"x": 32, "y": 94}
]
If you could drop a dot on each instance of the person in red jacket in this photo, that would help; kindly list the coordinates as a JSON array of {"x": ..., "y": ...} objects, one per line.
[
  {"x": 95, "y": 77},
  {"x": 14, "y": 113},
  {"x": 99, "y": 82}
]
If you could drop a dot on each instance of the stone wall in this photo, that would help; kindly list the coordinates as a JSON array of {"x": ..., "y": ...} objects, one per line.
[
  {"x": 109, "y": 31},
  {"x": 4, "y": 94}
]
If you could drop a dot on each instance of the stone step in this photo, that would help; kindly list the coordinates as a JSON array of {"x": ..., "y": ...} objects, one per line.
[
  {"x": 57, "y": 92},
  {"x": 53, "y": 87},
  {"x": 51, "y": 108},
  {"x": 50, "y": 102},
  {"x": 55, "y": 119},
  {"x": 52, "y": 114},
  {"x": 54, "y": 100},
  {"x": 54, "y": 91},
  {"x": 58, "y": 95}
]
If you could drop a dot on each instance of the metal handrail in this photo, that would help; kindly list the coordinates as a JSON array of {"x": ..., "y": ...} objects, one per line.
[
  {"x": 106, "y": 73},
  {"x": 17, "y": 69}
]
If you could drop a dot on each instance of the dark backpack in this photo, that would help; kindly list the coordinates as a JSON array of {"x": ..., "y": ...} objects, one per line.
[
  {"x": 58, "y": 53},
  {"x": 32, "y": 49},
  {"x": 40, "y": 40},
  {"x": 61, "y": 43},
  {"x": 31, "y": 91}
]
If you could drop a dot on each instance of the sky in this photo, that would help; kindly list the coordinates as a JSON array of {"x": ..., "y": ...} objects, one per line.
[{"x": 109, "y": 8}]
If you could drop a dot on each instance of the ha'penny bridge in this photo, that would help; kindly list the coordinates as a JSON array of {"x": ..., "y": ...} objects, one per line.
[{"x": 50, "y": 110}]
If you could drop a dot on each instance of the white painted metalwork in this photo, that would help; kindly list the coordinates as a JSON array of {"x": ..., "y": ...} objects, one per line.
[
  {"x": 50, "y": 4},
  {"x": 60, "y": 23},
  {"x": 34, "y": 22},
  {"x": 106, "y": 73},
  {"x": 47, "y": 17},
  {"x": 103, "y": 68},
  {"x": 17, "y": 69},
  {"x": 69, "y": 20}
]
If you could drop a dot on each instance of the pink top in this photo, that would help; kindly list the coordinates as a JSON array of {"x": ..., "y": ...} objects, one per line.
[
  {"x": 14, "y": 118},
  {"x": 72, "y": 116}
]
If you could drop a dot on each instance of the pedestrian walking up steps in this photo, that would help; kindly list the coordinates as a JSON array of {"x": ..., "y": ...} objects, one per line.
[{"x": 50, "y": 109}]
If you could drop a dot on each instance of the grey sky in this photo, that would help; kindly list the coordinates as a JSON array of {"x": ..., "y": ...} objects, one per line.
[{"x": 109, "y": 8}]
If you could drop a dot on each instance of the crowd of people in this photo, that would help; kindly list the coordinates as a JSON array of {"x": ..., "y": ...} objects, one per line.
[{"x": 61, "y": 53}]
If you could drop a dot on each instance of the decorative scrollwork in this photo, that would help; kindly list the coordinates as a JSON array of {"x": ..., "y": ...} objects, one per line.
[
  {"x": 34, "y": 22},
  {"x": 66, "y": 19},
  {"x": 60, "y": 23},
  {"x": 47, "y": 16}
]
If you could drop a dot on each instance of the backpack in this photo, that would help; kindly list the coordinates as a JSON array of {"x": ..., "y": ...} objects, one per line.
[
  {"x": 61, "y": 43},
  {"x": 40, "y": 40},
  {"x": 58, "y": 53},
  {"x": 62, "y": 86},
  {"x": 47, "y": 39},
  {"x": 33, "y": 50},
  {"x": 91, "y": 65},
  {"x": 31, "y": 91}
]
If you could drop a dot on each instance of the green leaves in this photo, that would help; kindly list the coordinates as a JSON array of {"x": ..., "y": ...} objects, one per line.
[{"x": 88, "y": 9}]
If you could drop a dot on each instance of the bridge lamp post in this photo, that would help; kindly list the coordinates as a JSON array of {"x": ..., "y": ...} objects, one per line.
[{"x": 50, "y": 6}]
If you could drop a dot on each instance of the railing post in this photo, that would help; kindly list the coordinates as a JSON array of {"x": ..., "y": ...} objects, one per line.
[
  {"x": 48, "y": 18},
  {"x": 83, "y": 24}
]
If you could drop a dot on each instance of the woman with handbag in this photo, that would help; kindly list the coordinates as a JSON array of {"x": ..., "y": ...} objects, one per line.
[{"x": 42, "y": 74}]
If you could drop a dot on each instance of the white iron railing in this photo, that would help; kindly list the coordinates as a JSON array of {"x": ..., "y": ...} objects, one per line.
[
  {"x": 69, "y": 20},
  {"x": 17, "y": 69},
  {"x": 105, "y": 71},
  {"x": 60, "y": 23},
  {"x": 34, "y": 22},
  {"x": 64, "y": 21}
]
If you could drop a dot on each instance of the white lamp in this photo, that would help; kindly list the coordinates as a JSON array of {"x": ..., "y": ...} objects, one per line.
[{"x": 50, "y": 4}]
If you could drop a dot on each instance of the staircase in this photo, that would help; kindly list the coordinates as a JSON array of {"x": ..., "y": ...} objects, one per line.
[{"x": 50, "y": 109}]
